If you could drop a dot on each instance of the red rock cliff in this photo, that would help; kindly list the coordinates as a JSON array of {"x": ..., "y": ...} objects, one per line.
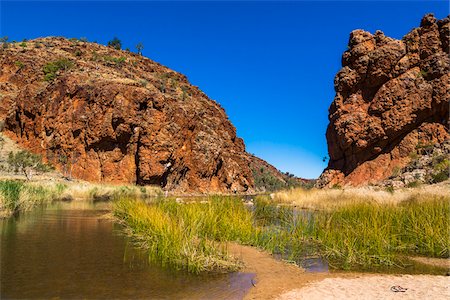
[
  {"x": 391, "y": 95},
  {"x": 108, "y": 115}
]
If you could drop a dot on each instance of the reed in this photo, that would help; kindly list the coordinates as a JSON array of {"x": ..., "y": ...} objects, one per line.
[
  {"x": 355, "y": 233},
  {"x": 21, "y": 196},
  {"x": 371, "y": 234},
  {"x": 9, "y": 192},
  {"x": 174, "y": 237}
]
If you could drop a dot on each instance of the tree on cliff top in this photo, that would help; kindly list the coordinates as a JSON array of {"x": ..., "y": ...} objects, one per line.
[
  {"x": 115, "y": 43},
  {"x": 139, "y": 48}
]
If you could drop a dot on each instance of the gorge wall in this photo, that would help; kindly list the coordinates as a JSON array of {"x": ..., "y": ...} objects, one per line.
[
  {"x": 108, "y": 115},
  {"x": 392, "y": 96}
]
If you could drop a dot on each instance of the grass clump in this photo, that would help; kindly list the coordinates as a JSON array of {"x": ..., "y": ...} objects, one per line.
[
  {"x": 173, "y": 239},
  {"x": 10, "y": 191}
]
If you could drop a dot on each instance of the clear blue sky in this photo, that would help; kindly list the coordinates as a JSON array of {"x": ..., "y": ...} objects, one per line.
[{"x": 269, "y": 64}]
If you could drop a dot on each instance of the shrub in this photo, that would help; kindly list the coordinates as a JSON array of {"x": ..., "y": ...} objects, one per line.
[
  {"x": 23, "y": 45},
  {"x": 143, "y": 82},
  {"x": 19, "y": 64},
  {"x": 51, "y": 68},
  {"x": 4, "y": 41},
  {"x": 115, "y": 43},
  {"x": 439, "y": 177},
  {"x": 413, "y": 184},
  {"x": 390, "y": 189},
  {"x": 27, "y": 163},
  {"x": 115, "y": 60},
  {"x": 336, "y": 186}
]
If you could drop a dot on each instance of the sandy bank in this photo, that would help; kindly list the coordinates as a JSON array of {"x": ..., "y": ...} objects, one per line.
[
  {"x": 273, "y": 277},
  {"x": 374, "y": 287}
]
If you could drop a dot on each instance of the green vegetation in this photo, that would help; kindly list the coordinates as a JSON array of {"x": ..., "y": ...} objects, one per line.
[
  {"x": 19, "y": 64},
  {"x": 10, "y": 191},
  {"x": 20, "y": 196},
  {"x": 27, "y": 163},
  {"x": 356, "y": 234},
  {"x": 119, "y": 61},
  {"x": 413, "y": 184},
  {"x": 177, "y": 237},
  {"x": 139, "y": 48},
  {"x": 143, "y": 82},
  {"x": 422, "y": 73},
  {"x": 441, "y": 165},
  {"x": 390, "y": 189},
  {"x": 52, "y": 68},
  {"x": 115, "y": 43},
  {"x": 370, "y": 235},
  {"x": 4, "y": 42},
  {"x": 23, "y": 45}
]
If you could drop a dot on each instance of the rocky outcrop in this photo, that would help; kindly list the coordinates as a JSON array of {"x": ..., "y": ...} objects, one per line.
[
  {"x": 428, "y": 164},
  {"x": 391, "y": 95},
  {"x": 108, "y": 115}
]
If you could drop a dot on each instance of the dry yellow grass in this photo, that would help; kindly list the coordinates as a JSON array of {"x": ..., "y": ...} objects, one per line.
[{"x": 333, "y": 198}]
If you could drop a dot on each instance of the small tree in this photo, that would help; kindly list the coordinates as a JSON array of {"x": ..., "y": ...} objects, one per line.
[
  {"x": 139, "y": 48},
  {"x": 115, "y": 43},
  {"x": 4, "y": 42},
  {"x": 27, "y": 163}
]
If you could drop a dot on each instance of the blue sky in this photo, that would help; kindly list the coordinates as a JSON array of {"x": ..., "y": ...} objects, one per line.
[{"x": 269, "y": 64}]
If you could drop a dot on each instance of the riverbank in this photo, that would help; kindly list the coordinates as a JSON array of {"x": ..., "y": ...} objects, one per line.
[
  {"x": 356, "y": 234},
  {"x": 266, "y": 233},
  {"x": 375, "y": 287},
  {"x": 18, "y": 195}
]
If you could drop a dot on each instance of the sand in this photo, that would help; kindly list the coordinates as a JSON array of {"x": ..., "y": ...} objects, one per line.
[
  {"x": 275, "y": 279},
  {"x": 374, "y": 287}
]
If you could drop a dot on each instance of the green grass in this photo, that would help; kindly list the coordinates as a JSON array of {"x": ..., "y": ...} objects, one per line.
[
  {"x": 367, "y": 235},
  {"x": 21, "y": 196},
  {"x": 10, "y": 191},
  {"x": 356, "y": 235},
  {"x": 176, "y": 238}
]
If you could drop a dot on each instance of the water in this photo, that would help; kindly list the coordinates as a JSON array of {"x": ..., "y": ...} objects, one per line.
[{"x": 68, "y": 251}]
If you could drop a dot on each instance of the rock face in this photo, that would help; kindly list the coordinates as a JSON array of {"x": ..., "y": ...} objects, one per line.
[
  {"x": 391, "y": 96},
  {"x": 108, "y": 115}
]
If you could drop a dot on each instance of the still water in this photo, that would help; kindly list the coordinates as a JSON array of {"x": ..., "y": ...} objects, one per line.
[{"x": 68, "y": 250}]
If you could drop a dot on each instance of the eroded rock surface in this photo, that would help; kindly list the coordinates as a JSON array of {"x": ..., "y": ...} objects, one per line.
[
  {"x": 108, "y": 115},
  {"x": 391, "y": 96}
]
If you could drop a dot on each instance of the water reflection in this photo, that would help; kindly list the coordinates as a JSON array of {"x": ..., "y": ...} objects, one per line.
[{"x": 67, "y": 251}]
